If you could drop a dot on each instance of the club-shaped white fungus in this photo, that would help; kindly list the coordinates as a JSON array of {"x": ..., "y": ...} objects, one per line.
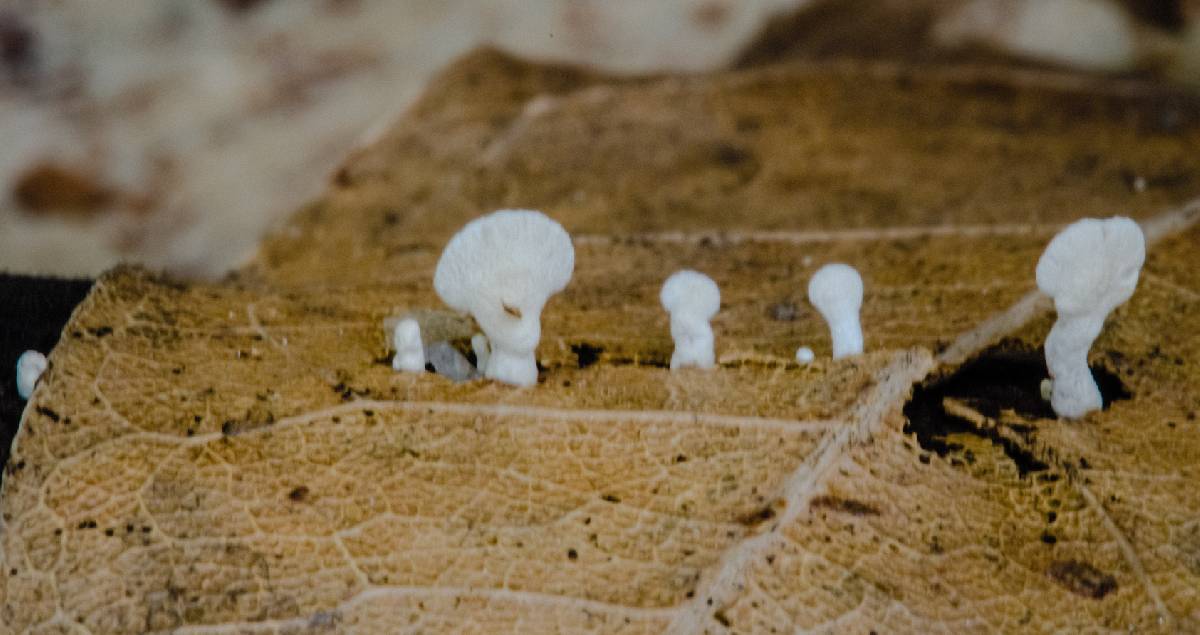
[
  {"x": 692, "y": 299},
  {"x": 837, "y": 292},
  {"x": 501, "y": 268},
  {"x": 1089, "y": 268},
  {"x": 805, "y": 355},
  {"x": 30, "y": 366},
  {"x": 410, "y": 353}
]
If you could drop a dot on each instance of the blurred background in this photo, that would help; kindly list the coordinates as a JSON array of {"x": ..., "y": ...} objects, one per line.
[{"x": 176, "y": 132}]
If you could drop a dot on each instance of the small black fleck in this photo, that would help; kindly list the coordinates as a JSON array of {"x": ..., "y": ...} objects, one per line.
[
  {"x": 299, "y": 494},
  {"x": 783, "y": 311},
  {"x": 1049, "y": 538},
  {"x": 572, "y": 554},
  {"x": 611, "y": 498}
]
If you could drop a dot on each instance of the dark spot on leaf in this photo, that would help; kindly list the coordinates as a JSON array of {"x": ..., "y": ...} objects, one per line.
[
  {"x": 299, "y": 494},
  {"x": 611, "y": 498},
  {"x": 1082, "y": 578},
  {"x": 783, "y": 311},
  {"x": 845, "y": 506},
  {"x": 1004, "y": 377},
  {"x": 586, "y": 354},
  {"x": 572, "y": 554},
  {"x": 757, "y": 517}
]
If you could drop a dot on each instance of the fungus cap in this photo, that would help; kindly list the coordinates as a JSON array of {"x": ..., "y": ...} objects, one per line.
[
  {"x": 691, "y": 293},
  {"x": 407, "y": 333},
  {"x": 1092, "y": 265},
  {"x": 836, "y": 288},
  {"x": 501, "y": 268},
  {"x": 30, "y": 366}
]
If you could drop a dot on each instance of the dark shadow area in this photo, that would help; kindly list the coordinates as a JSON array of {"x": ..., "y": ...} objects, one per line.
[
  {"x": 1007, "y": 376},
  {"x": 33, "y": 312}
]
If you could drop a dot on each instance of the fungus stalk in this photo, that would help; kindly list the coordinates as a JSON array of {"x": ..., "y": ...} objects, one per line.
[
  {"x": 836, "y": 290},
  {"x": 410, "y": 354},
  {"x": 692, "y": 299},
  {"x": 502, "y": 268},
  {"x": 1089, "y": 269}
]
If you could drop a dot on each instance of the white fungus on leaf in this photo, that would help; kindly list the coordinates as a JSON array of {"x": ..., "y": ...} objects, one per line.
[
  {"x": 805, "y": 355},
  {"x": 502, "y": 268},
  {"x": 692, "y": 299},
  {"x": 1089, "y": 269},
  {"x": 410, "y": 353},
  {"x": 30, "y": 366},
  {"x": 836, "y": 290}
]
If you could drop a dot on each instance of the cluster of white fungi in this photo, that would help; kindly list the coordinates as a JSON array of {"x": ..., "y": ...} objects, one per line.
[{"x": 501, "y": 268}]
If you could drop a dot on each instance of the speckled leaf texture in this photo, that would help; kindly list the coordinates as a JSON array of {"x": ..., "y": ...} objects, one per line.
[{"x": 239, "y": 457}]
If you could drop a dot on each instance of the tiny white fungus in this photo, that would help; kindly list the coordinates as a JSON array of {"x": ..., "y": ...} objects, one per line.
[
  {"x": 836, "y": 290},
  {"x": 30, "y": 366},
  {"x": 1089, "y": 269},
  {"x": 410, "y": 354},
  {"x": 502, "y": 268},
  {"x": 805, "y": 355},
  {"x": 692, "y": 299}
]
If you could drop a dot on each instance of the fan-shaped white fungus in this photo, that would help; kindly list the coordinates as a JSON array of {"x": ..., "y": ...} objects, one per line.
[
  {"x": 501, "y": 268},
  {"x": 1089, "y": 268},
  {"x": 30, "y": 366},
  {"x": 692, "y": 299},
  {"x": 805, "y": 355},
  {"x": 837, "y": 292},
  {"x": 410, "y": 354}
]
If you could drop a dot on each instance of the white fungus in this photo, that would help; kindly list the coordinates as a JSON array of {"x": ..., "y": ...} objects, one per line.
[
  {"x": 410, "y": 353},
  {"x": 805, "y": 355},
  {"x": 692, "y": 299},
  {"x": 30, "y": 366},
  {"x": 502, "y": 268},
  {"x": 837, "y": 292},
  {"x": 1089, "y": 269}
]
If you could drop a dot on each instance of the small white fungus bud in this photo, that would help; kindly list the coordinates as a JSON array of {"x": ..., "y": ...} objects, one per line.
[
  {"x": 692, "y": 299},
  {"x": 410, "y": 354},
  {"x": 805, "y": 355},
  {"x": 502, "y": 268},
  {"x": 836, "y": 290},
  {"x": 1089, "y": 268},
  {"x": 30, "y": 366}
]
